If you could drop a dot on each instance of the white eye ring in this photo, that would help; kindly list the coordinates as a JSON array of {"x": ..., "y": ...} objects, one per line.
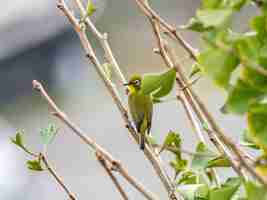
[{"x": 137, "y": 82}]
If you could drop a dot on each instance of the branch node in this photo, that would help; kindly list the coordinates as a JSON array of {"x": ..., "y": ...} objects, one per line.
[
  {"x": 156, "y": 50},
  {"x": 172, "y": 196},
  {"x": 115, "y": 165},
  {"x": 105, "y": 36},
  {"x": 36, "y": 85},
  {"x": 60, "y": 5}
]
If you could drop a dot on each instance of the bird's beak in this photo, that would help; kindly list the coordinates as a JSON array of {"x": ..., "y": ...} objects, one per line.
[{"x": 126, "y": 84}]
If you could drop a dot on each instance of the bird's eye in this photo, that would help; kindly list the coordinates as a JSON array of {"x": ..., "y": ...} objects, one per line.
[{"x": 137, "y": 82}]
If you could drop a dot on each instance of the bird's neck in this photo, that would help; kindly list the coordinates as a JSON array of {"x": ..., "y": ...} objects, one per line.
[{"x": 132, "y": 89}]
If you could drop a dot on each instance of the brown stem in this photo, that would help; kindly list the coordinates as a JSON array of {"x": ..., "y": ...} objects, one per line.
[
  {"x": 171, "y": 30},
  {"x": 103, "y": 39},
  {"x": 155, "y": 161},
  {"x": 54, "y": 174},
  {"x": 115, "y": 181},
  {"x": 90, "y": 142}
]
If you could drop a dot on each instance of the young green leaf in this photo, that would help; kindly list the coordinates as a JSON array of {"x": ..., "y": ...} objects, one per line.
[
  {"x": 211, "y": 4},
  {"x": 90, "y": 8},
  {"x": 187, "y": 177},
  {"x": 158, "y": 84},
  {"x": 48, "y": 134},
  {"x": 255, "y": 191},
  {"x": 194, "y": 191},
  {"x": 257, "y": 24},
  {"x": 257, "y": 121},
  {"x": 202, "y": 157},
  {"x": 218, "y": 65},
  {"x": 238, "y": 4},
  {"x": 172, "y": 143},
  {"x": 195, "y": 25},
  {"x": 34, "y": 165},
  {"x": 178, "y": 165},
  {"x": 226, "y": 191},
  {"x": 247, "y": 141},
  {"x": 214, "y": 18},
  {"x": 18, "y": 140},
  {"x": 195, "y": 70},
  {"x": 240, "y": 97},
  {"x": 220, "y": 161}
]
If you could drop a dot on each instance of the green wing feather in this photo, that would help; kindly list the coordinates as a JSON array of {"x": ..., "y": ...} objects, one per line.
[{"x": 141, "y": 109}]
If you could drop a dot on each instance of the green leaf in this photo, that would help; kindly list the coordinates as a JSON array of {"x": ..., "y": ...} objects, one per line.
[
  {"x": 178, "y": 165},
  {"x": 167, "y": 82},
  {"x": 247, "y": 141},
  {"x": 218, "y": 65},
  {"x": 258, "y": 23},
  {"x": 34, "y": 165},
  {"x": 159, "y": 84},
  {"x": 248, "y": 46},
  {"x": 253, "y": 54},
  {"x": 18, "y": 140},
  {"x": 240, "y": 97},
  {"x": 195, "y": 70},
  {"x": 172, "y": 143},
  {"x": 226, "y": 191},
  {"x": 237, "y": 4},
  {"x": 257, "y": 124},
  {"x": 187, "y": 177},
  {"x": 214, "y": 17},
  {"x": 202, "y": 157},
  {"x": 255, "y": 191},
  {"x": 254, "y": 78},
  {"x": 90, "y": 9},
  {"x": 211, "y": 3},
  {"x": 220, "y": 161},
  {"x": 194, "y": 25},
  {"x": 48, "y": 134},
  {"x": 194, "y": 191},
  {"x": 263, "y": 56}
]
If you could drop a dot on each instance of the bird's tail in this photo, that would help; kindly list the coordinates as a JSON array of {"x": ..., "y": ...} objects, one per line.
[{"x": 142, "y": 142}]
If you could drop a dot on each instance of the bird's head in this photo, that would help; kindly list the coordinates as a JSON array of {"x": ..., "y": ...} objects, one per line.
[{"x": 134, "y": 83}]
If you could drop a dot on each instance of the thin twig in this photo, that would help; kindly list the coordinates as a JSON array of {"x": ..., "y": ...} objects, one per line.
[
  {"x": 90, "y": 142},
  {"x": 54, "y": 174},
  {"x": 181, "y": 80},
  {"x": 182, "y": 96},
  {"x": 155, "y": 161},
  {"x": 193, "y": 98},
  {"x": 150, "y": 13},
  {"x": 112, "y": 177},
  {"x": 103, "y": 39}
]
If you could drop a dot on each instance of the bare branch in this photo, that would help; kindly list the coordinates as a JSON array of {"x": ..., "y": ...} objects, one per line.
[
  {"x": 112, "y": 177},
  {"x": 54, "y": 174},
  {"x": 170, "y": 30},
  {"x": 181, "y": 81},
  {"x": 103, "y": 39},
  {"x": 155, "y": 161},
  {"x": 204, "y": 116},
  {"x": 90, "y": 142}
]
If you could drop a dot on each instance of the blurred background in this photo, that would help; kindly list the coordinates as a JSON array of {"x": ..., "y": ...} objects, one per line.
[{"x": 37, "y": 42}]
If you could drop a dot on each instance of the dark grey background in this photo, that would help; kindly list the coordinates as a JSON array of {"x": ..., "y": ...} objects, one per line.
[{"x": 36, "y": 42}]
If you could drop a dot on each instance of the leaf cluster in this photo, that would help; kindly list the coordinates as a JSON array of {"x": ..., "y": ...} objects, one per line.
[{"x": 236, "y": 62}]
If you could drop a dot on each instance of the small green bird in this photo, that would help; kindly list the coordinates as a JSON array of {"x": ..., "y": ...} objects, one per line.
[{"x": 141, "y": 108}]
